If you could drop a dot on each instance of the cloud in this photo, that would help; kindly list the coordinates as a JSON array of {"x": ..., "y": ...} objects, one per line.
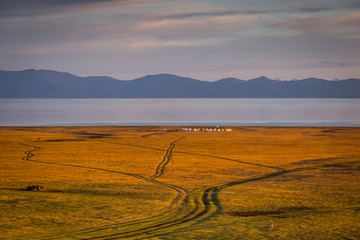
[
  {"x": 149, "y": 36},
  {"x": 273, "y": 8},
  {"x": 314, "y": 9},
  {"x": 21, "y": 8},
  {"x": 35, "y": 8},
  {"x": 214, "y": 13},
  {"x": 338, "y": 25},
  {"x": 356, "y": 5},
  {"x": 334, "y": 64},
  {"x": 243, "y": 11},
  {"x": 219, "y": 27}
]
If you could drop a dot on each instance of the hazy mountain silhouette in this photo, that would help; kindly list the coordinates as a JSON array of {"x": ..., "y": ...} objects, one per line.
[{"x": 51, "y": 84}]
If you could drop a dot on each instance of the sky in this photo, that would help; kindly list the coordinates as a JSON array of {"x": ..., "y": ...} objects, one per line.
[{"x": 203, "y": 39}]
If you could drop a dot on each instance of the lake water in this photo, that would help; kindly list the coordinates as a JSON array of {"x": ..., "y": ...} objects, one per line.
[{"x": 209, "y": 112}]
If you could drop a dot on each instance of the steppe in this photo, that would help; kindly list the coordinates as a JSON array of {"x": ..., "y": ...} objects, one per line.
[{"x": 113, "y": 182}]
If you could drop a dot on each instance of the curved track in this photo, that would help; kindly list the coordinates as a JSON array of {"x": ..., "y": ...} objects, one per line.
[
  {"x": 186, "y": 209},
  {"x": 182, "y": 196},
  {"x": 166, "y": 159}
]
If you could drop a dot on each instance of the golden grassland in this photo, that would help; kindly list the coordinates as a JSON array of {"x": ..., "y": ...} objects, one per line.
[{"x": 145, "y": 183}]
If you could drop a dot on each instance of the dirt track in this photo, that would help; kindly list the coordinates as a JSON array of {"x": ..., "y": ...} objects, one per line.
[
  {"x": 167, "y": 158},
  {"x": 186, "y": 209}
]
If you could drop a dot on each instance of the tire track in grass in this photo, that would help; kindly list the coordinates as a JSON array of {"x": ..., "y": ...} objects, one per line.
[
  {"x": 197, "y": 206},
  {"x": 201, "y": 203},
  {"x": 230, "y": 159},
  {"x": 211, "y": 202},
  {"x": 151, "y": 134},
  {"x": 207, "y": 205},
  {"x": 204, "y": 204},
  {"x": 29, "y": 155},
  {"x": 166, "y": 159},
  {"x": 182, "y": 196},
  {"x": 132, "y": 145},
  {"x": 196, "y": 154}
]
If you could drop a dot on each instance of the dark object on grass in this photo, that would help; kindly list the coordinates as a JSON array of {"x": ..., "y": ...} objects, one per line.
[
  {"x": 35, "y": 188},
  {"x": 264, "y": 213}
]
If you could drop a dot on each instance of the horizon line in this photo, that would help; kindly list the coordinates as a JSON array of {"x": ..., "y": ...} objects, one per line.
[{"x": 172, "y": 74}]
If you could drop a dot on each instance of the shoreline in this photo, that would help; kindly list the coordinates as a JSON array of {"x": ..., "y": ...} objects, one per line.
[
  {"x": 191, "y": 124},
  {"x": 178, "y": 127}
]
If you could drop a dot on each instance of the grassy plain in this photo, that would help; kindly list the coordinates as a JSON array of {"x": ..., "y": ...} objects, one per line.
[{"x": 145, "y": 183}]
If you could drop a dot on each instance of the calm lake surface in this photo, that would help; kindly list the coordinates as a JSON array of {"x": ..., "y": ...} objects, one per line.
[{"x": 129, "y": 112}]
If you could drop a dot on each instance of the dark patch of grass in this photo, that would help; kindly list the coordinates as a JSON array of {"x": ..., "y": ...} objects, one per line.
[
  {"x": 48, "y": 191},
  {"x": 265, "y": 213},
  {"x": 42, "y": 191},
  {"x": 62, "y": 140},
  {"x": 24, "y": 129},
  {"x": 94, "y": 135},
  {"x": 314, "y": 161}
]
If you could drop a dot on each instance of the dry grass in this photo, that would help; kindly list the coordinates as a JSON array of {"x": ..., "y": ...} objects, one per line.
[{"x": 214, "y": 185}]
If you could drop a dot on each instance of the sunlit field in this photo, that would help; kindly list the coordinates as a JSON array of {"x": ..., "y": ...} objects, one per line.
[{"x": 147, "y": 183}]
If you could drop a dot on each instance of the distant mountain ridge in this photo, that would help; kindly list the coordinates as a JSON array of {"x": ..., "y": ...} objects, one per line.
[{"x": 52, "y": 84}]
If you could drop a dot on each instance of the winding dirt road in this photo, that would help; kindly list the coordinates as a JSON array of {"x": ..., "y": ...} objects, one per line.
[
  {"x": 166, "y": 159},
  {"x": 186, "y": 209}
]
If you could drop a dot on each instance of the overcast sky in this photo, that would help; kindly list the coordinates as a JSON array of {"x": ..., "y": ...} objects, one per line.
[{"x": 203, "y": 39}]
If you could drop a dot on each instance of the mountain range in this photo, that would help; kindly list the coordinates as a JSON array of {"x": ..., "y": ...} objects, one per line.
[{"x": 52, "y": 84}]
